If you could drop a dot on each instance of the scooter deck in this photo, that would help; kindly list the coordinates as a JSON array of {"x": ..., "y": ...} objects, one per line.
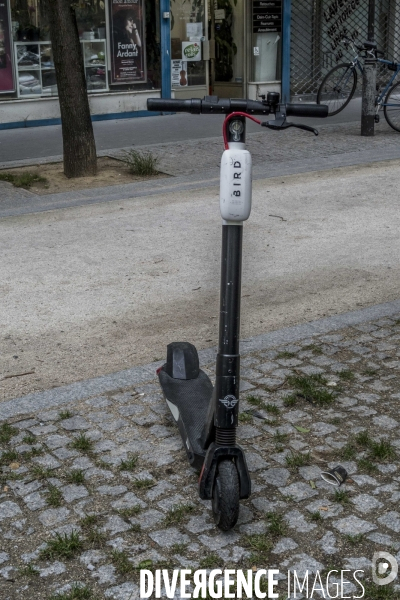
[{"x": 188, "y": 401}]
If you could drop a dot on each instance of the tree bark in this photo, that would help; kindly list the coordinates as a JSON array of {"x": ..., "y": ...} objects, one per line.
[{"x": 78, "y": 139}]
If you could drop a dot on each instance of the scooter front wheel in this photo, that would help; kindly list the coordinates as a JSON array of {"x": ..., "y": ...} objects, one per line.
[{"x": 225, "y": 502}]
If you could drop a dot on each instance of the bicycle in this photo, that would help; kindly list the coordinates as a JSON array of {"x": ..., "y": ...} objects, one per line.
[{"x": 339, "y": 85}]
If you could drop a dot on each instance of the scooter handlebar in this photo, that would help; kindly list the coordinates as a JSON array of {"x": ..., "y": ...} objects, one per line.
[{"x": 214, "y": 105}]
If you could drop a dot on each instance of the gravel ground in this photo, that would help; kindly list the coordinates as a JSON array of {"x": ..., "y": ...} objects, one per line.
[{"x": 109, "y": 476}]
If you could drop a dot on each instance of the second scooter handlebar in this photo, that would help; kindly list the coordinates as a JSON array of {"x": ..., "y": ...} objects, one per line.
[{"x": 213, "y": 105}]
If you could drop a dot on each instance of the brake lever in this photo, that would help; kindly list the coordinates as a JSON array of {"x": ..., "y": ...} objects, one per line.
[{"x": 280, "y": 123}]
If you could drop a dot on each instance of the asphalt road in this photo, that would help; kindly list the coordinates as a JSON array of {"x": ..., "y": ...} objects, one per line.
[
  {"x": 40, "y": 142},
  {"x": 95, "y": 289}
]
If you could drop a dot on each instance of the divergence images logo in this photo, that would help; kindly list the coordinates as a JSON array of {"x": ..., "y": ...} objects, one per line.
[
  {"x": 383, "y": 563},
  {"x": 229, "y": 401}
]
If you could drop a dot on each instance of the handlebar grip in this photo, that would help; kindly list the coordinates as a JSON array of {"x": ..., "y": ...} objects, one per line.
[
  {"x": 307, "y": 110},
  {"x": 174, "y": 105}
]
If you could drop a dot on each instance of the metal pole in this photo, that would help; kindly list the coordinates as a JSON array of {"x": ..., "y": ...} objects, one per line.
[{"x": 369, "y": 81}]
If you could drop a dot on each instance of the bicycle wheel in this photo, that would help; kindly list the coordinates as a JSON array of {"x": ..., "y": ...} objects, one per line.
[
  {"x": 391, "y": 108},
  {"x": 337, "y": 88}
]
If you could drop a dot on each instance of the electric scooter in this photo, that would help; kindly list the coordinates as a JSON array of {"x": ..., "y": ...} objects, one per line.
[{"x": 207, "y": 415}]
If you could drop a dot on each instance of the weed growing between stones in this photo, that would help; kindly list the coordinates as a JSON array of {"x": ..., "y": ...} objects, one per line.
[
  {"x": 341, "y": 496},
  {"x": 65, "y": 414},
  {"x": 260, "y": 546},
  {"x": 316, "y": 516},
  {"x": 8, "y": 457},
  {"x": 40, "y": 472},
  {"x": 76, "y": 592},
  {"x": 144, "y": 483},
  {"x": 380, "y": 592},
  {"x": 62, "y": 546},
  {"x": 271, "y": 409},
  {"x": 54, "y": 496},
  {"x": 276, "y": 524},
  {"x": 254, "y": 400},
  {"x": 316, "y": 350},
  {"x": 6, "y": 433},
  {"x": 364, "y": 464},
  {"x": 29, "y": 439},
  {"x": 121, "y": 562},
  {"x": 82, "y": 443},
  {"x": 76, "y": 476},
  {"x": 346, "y": 375},
  {"x": 297, "y": 459},
  {"x": 355, "y": 539},
  {"x": 311, "y": 388},
  {"x": 177, "y": 513},
  {"x": 210, "y": 561},
  {"x": 129, "y": 464},
  {"x": 285, "y": 354},
  {"x": 125, "y": 513},
  {"x": 28, "y": 571},
  {"x": 382, "y": 450},
  {"x": 245, "y": 417}
]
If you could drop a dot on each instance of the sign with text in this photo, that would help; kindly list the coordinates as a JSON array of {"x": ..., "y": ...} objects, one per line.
[
  {"x": 128, "y": 45},
  {"x": 267, "y": 16},
  {"x": 179, "y": 73},
  {"x": 6, "y": 54}
]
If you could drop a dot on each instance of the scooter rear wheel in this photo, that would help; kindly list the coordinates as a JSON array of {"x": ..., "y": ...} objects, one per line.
[{"x": 225, "y": 502}]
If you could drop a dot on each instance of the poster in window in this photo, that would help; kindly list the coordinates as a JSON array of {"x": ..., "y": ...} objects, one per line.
[
  {"x": 128, "y": 44},
  {"x": 6, "y": 54}
]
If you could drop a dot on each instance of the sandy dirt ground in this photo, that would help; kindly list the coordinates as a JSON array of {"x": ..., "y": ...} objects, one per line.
[
  {"x": 110, "y": 172},
  {"x": 96, "y": 289}
]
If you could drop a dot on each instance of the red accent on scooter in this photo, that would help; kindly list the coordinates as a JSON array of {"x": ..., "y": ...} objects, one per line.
[{"x": 159, "y": 369}]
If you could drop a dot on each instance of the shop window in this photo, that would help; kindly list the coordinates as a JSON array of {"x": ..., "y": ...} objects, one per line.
[
  {"x": 133, "y": 64},
  {"x": 187, "y": 36}
]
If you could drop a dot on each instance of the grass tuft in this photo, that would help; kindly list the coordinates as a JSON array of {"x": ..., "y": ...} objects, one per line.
[
  {"x": 260, "y": 546},
  {"x": 76, "y": 592},
  {"x": 29, "y": 439},
  {"x": 121, "y": 562},
  {"x": 341, "y": 496},
  {"x": 6, "y": 433},
  {"x": 40, "y": 472},
  {"x": 245, "y": 417},
  {"x": 346, "y": 375},
  {"x": 125, "y": 513},
  {"x": 177, "y": 513},
  {"x": 297, "y": 459},
  {"x": 129, "y": 464},
  {"x": 254, "y": 400},
  {"x": 23, "y": 180},
  {"x": 277, "y": 526},
  {"x": 271, "y": 409},
  {"x": 62, "y": 546},
  {"x": 364, "y": 464},
  {"x": 355, "y": 539},
  {"x": 210, "y": 561},
  {"x": 316, "y": 516},
  {"x": 312, "y": 388},
  {"x": 8, "y": 457},
  {"x": 54, "y": 497},
  {"x": 141, "y": 484},
  {"x": 285, "y": 354},
  {"x": 82, "y": 443},
  {"x": 382, "y": 450},
  {"x": 29, "y": 571},
  {"x": 316, "y": 350},
  {"x": 76, "y": 476},
  {"x": 65, "y": 414},
  {"x": 141, "y": 163}
]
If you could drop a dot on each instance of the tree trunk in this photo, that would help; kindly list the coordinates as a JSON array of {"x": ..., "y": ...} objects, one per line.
[{"x": 78, "y": 140}]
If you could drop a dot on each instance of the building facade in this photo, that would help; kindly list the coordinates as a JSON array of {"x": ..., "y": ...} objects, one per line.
[{"x": 136, "y": 49}]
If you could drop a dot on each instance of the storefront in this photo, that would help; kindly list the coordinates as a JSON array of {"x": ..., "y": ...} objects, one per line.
[{"x": 136, "y": 49}]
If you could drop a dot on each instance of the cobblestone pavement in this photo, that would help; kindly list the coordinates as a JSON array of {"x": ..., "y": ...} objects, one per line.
[
  {"x": 91, "y": 494},
  {"x": 269, "y": 147}
]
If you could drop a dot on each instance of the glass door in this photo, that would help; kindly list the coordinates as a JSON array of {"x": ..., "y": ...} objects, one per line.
[{"x": 227, "y": 29}]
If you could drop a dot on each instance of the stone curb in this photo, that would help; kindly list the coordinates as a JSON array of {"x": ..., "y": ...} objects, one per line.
[{"x": 136, "y": 375}]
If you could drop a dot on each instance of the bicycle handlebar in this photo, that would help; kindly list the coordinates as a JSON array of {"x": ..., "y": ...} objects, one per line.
[{"x": 214, "y": 105}]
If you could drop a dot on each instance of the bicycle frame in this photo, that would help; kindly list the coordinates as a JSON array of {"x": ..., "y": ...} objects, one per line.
[{"x": 356, "y": 64}]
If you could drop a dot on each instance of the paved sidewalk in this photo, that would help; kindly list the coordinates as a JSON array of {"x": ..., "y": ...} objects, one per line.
[
  {"x": 195, "y": 164},
  {"x": 100, "y": 463}
]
